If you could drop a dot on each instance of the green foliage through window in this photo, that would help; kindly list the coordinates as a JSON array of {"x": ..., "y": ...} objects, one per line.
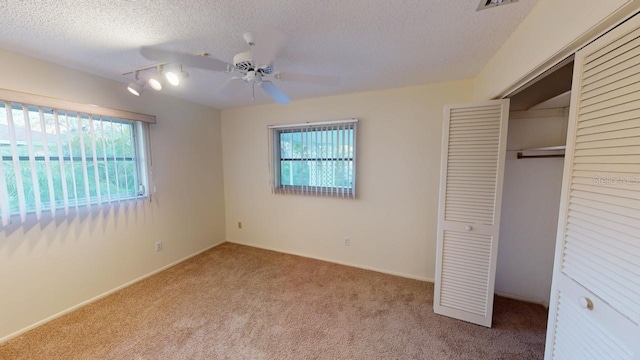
[
  {"x": 316, "y": 158},
  {"x": 50, "y": 158}
]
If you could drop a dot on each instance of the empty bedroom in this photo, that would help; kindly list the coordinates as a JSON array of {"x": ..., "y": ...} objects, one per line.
[{"x": 320, "y": 180}]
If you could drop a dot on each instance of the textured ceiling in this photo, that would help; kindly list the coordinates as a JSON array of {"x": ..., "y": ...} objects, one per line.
[{"x": 369, "y": 44}]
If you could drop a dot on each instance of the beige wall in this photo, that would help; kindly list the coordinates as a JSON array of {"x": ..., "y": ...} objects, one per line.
[
  {"x": 553, "y": 30},
  {"x": 530, "y": 205},
  {"x": 48, "y": 267},
  {"x": 392, "y": 223}
]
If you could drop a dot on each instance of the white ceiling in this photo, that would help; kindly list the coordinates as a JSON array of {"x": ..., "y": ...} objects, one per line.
[{"x": 369, "y": 44}]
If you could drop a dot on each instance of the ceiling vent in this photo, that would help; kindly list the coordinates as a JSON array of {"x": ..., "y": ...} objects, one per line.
[{"x": 487, "y": 4}]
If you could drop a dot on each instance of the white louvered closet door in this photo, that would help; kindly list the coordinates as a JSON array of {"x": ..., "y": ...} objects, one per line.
[
  {"x": 473, "y": 153},
  {"x": 595, "y": 295}
]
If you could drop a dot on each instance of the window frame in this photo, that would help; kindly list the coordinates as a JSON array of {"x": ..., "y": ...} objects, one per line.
[
  {"x": 276, "y": 158},
  {"x": 140, "y": 156}
]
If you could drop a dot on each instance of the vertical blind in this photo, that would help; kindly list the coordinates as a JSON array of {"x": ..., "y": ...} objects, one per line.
[
  {"x": 58, "y": 159},
  {"x": 314, "y": 158}
]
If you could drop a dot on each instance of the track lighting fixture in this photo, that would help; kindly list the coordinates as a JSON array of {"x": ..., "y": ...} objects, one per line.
[
  {"x": 174, "y": 74},
  {"x": 153, "y": 75},
  {"x": 155, "y": 84},
  {"x": 136, "y": 87},
  {"x": 154, "y": 78}
]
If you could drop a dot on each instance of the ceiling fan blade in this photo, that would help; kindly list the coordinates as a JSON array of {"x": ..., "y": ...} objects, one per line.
[
  {"x": 231, "y": 86},
  {"x": 275, "y": 93},
  {"x": 309, "y": 79},
  {"x": 201, "y": 62},
  {"x": 269, "y": 43}
]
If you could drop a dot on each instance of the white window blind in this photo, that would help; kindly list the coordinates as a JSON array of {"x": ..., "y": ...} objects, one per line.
[
  {"x": 314, "y": 158},
  {"x": 59, "y": 159}
]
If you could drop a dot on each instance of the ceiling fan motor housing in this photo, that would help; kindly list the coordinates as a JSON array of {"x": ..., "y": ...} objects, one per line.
[{"x": 244, "y": 62}]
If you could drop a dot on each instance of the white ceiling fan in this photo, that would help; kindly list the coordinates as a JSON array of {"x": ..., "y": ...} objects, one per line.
[{"x": 253, "y": 67}]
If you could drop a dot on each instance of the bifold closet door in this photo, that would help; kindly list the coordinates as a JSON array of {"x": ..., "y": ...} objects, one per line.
[
  {"x": 595, "y": 295},
  {"x": 472, "y": 169}
]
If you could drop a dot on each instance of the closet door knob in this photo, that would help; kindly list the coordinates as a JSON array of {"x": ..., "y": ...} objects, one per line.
[
  {"x": 468, "y": 228},
  {"x": 586, "y": 303}
]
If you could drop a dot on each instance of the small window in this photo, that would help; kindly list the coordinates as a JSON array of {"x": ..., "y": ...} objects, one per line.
[
  {"x": 314, "y": 158},
  {"x": 57, "y": 159}
]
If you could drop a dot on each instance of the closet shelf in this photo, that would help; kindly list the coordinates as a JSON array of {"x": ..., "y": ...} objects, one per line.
[{"x": 542, "y": 152}]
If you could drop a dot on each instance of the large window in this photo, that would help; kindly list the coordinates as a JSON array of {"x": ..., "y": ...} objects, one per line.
[
  {"x": 314, "y": 158},
  {"x": 57, "y": 159}
]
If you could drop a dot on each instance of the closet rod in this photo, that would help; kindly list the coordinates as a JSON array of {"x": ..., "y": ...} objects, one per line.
[{"x": 521, "y": 156}]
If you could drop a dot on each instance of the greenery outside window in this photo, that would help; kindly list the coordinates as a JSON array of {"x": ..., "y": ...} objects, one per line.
[
  {"x": 58, "y": 159},
  {"x": 314, "y": 158}
]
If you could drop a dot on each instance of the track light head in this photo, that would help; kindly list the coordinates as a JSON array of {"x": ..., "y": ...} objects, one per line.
[
  {"x": 136, "y": 87},
  {"x": 174, "y": 75},
  {"x": 172, "y": 78},
  {"x": 154, "y": 78},
  {"x": 155, "y": 84}
]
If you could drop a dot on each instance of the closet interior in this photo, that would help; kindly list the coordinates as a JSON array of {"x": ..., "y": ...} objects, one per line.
[{"x": 536, "y": 139}]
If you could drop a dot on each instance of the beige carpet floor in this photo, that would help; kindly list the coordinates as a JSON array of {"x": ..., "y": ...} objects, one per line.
[{"x": 238, "y": 302}]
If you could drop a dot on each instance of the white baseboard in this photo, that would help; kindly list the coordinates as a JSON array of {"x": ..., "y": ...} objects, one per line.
[
  {"x": 389, "y": 272},
  {"x": 87, "y": 302},
  {"x": 524, "y": 298}
]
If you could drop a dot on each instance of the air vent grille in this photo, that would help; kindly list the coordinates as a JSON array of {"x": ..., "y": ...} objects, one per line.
[{"x": 487, "y": 4}]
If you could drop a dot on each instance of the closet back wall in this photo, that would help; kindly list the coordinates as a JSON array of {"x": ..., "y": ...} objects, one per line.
[{"x": 530, "y": 203}]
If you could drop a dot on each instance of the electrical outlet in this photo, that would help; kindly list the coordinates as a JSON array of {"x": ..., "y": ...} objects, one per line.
[
  {"x": 347, "y": 241},
  {"x": 159, "y": 246},
  {"x": 239, "y": 224}
]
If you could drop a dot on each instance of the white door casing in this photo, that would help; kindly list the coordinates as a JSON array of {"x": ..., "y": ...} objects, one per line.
[
  {"x": 595, "y": 295},
  {"x": 471, "y": 175}
]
